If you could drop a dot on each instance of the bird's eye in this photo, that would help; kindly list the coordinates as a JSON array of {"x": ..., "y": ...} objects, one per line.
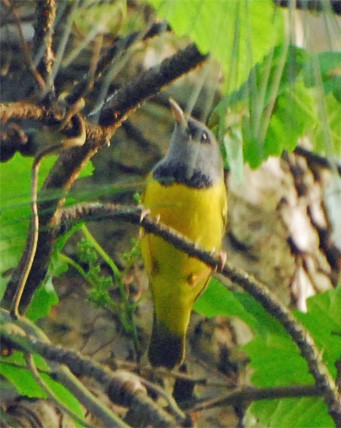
[{"x": 204, "y": 138}]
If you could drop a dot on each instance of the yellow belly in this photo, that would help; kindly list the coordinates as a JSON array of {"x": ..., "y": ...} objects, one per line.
[{"x": 176, "y": 279}]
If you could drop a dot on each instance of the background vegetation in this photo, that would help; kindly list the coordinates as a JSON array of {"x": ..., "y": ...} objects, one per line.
[{"x": 84, "y": 92}]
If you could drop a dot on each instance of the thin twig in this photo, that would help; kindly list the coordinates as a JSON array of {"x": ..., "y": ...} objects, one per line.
[
  {"x": 81, "y": 365},
  {"x": 37, "y": 342},
  {"x": 88, "y": 367},
  {"x": 27, "y": 56},
  {"x": 249, "y": 394},
  {"x": 45, "y": 15},
  {"x": 149, "y": 83},
  {"x": 33, "y": 369},
  {"x": 120, "y": 44},
  {"x": 34, "y": 228},
  {"x": 303, "y": 339}
]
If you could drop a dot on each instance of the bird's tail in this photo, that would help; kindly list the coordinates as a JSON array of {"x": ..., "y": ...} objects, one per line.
[{"x": 166, "y": 348}]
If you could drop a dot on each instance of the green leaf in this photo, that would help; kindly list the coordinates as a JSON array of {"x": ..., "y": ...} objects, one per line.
[
  {"x": 15, "y": 184},
  {"x": 293, "y": 113},
  {"x": 86, "y": 171},
  {"x": 324, "y": 68},
  {"x": 21, "y": 378},
  {"x": 327, "y": 135},
  {"x": 14, "y": 369},
  {"x": 323, "y": 320},
  {"x": 15, "y": 193},
  {"x": 276, "y": 361},
  {"x": 64, "y": 396},
  {"x": 236, "y": 33},
  {"x": 218, "y": 300},
  {"x": 291, "y": 412},
  {"x": 274, "y": 357},
  {"x": 271, "y": 105},
  {"x": 271, "y": 357},
  {"x": 43, "y": 300}
]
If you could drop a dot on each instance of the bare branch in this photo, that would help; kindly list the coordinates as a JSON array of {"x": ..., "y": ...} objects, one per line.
[
  {"x": 149, "y": 83},
  {"x": 121, "y": 389},
  {"x": 66, "y": 169},
  {"x": 245, "y": 395},
  {"x": 43, "y": 35},
  {"x": 126, "y": 389},
  {"x": 26, "y": 53},
  {"x": 303, "y": 339}
]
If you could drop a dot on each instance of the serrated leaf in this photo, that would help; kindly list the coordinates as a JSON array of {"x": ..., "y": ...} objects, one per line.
[
  {"x": 218, "y": 300},
  {"x": 276, "y": 361},
  {"x": 291, "y": 412},
  {"x": 323, "y": 320},
  {"x": 237, "y": 33}
]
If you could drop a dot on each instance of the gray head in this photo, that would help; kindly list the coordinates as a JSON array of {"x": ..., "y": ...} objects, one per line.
[{"x": 193, "y": 157}]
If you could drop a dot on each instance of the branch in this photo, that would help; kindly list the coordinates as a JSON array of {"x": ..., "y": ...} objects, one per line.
[
  {"x": 67, "y": 168},
  {"x": 126, "y": 388},
  {"x": 303, "y": 339},
  {"x": 27, "y": 337},
  {"x": 43, "y": 35},
  {"x": 51, "y": 395},
  {"x": 120, "y": 45},
  {"x": 25, "y": 50},
  {"x": 315, "y": 159},
  {"x": 149, "y": 83},
  {"x": 123, "y": 388},
  {"x": 247, "y": 395}
]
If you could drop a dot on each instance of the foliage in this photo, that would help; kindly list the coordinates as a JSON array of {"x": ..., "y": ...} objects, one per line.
[
  {"x": 274, "y": 93},
  {"x": 227, "y": 31},
  {"x": 272, "y": 350},
  {"x": 14, "y": 368},
  {"x": 15, "y": 206},
  {"x": 272, "y": 89}
]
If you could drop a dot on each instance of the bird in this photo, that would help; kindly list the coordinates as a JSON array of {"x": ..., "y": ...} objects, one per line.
[{"x": 186, "y": 190}]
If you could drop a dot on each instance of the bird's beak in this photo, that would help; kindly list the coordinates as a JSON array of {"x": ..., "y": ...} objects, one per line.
[{"x": 178, "y": 114}]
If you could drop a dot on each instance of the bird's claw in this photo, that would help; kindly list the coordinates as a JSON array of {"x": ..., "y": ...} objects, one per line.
[
  {"x": 144, "y": 213},
  {"x": 222, "y": 256}
]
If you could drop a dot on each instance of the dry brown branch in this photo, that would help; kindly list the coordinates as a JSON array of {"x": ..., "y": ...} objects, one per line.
[
  {"x": 149, "y": 83},
  {"x": 43, "y": 36}
]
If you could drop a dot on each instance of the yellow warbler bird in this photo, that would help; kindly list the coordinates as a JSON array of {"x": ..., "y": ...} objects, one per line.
[{"x": 187, "y": 191}]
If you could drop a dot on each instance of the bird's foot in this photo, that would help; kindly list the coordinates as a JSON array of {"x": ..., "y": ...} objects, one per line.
[
  {"x": 222, "y": 256},
  {"x": 144, "y": 213}
]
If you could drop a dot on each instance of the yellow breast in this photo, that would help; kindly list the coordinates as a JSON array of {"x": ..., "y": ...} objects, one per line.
[{"x": 176, "y": 279}]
